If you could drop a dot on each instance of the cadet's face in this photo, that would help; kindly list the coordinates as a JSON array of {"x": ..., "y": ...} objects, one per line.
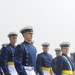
[
  {"x": 28, "y": 36},
  {"x": 13, "y": 39},
  {"x": 65, "y": 50},
  {"x": 72, "y": 58},
  {"x": 45, "y": 49},
  {"x": 58, "y": 53}
]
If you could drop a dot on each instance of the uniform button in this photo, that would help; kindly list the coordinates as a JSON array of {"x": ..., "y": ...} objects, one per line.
[
  {"x": 26, "y": 59},
  {"x": 13, "y": 55},
  {"x": 26, "y": 63},
  {"x": 27, "y": 55},
  {"x": 46, "y": 65},
  {"x": 26, "y": 51},
  {"x": 44, "y": 56},
  {"x": 12, "y": 58}
]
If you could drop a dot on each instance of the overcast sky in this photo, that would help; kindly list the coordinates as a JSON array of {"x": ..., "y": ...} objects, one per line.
[{"x": 53, "y": 21}]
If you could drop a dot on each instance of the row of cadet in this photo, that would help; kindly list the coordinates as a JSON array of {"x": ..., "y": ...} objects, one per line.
[{"x": 22, "y": 59}]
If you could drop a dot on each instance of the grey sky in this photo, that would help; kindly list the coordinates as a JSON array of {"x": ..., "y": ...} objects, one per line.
[{"x": 53, "y": 21}]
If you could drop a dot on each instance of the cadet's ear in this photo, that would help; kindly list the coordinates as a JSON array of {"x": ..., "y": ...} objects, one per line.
[
  {"x": 61, "y": 48},
  {"x": 9, "y": 38},
  {"x": 48, "y": 48},
  {"x": 23, "y": 34},
  {"x": 42, "y": 48}
]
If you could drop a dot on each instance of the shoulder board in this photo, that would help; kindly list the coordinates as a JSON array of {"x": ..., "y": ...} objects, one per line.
[
  {"x": 40, "y": 53},
  {"x": 20, "y": 43},
  {"x": 4, "y": 44}
]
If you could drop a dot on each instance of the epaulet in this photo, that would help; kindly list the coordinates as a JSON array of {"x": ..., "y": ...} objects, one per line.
[
  {"x": 40, "y": 53},
  {"x": 33, "y": 46},
  {"x": 32, "y": 42},
  {"x": 20, "y": 43},
  {"x": 4, "y": 45}
]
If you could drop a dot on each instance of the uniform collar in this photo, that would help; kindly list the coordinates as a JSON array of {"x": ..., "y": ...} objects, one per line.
[
  {"x": 26, "y": 42},
  {"x": 45, "y": 53},
  {"x": 12, "y": 45},
  {"x": 64, "y": 54}
]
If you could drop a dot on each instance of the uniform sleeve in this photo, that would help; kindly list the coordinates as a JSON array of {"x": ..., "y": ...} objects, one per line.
[
  {"x": 59, "y": 67},
  {"x": 0, "y": 69},
  {"x": 38, "y": 65},
  {"x": 18, "y": 61},
  {"x": 53, "y": 64},
  {"x": 4, "y": 58}
]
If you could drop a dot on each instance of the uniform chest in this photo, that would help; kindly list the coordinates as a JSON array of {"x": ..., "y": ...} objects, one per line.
[{"x": 46, "y": 58}]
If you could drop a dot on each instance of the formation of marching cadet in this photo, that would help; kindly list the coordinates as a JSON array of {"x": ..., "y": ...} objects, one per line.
[
  {"x": 64, "y": 63},
  {"x": 24, "y": 60}
]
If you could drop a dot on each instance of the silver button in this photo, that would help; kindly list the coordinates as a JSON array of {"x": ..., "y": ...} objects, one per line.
[
  {"x": 26, "y": 59},
  {"x": 27, "y": 55},
  {"x": 12, "y": 58},
  {"x": 44, "y": 56},
  {"x": 27, "y": 52},
  {"x": 26, "y": 63},
  {"x": 46, "y": 65}
]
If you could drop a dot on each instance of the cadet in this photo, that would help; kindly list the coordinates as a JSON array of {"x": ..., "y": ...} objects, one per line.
[
  {"x": 44, "y": 60},
  {"x": 7, "y": 55},
  {"x": 64, "y": 64},
  {"x": 54, "y": 61},
  {"x": 72, "y": 56},
  {"x": 25, "y": 53},
  {"x": 72, "y": 59}
]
